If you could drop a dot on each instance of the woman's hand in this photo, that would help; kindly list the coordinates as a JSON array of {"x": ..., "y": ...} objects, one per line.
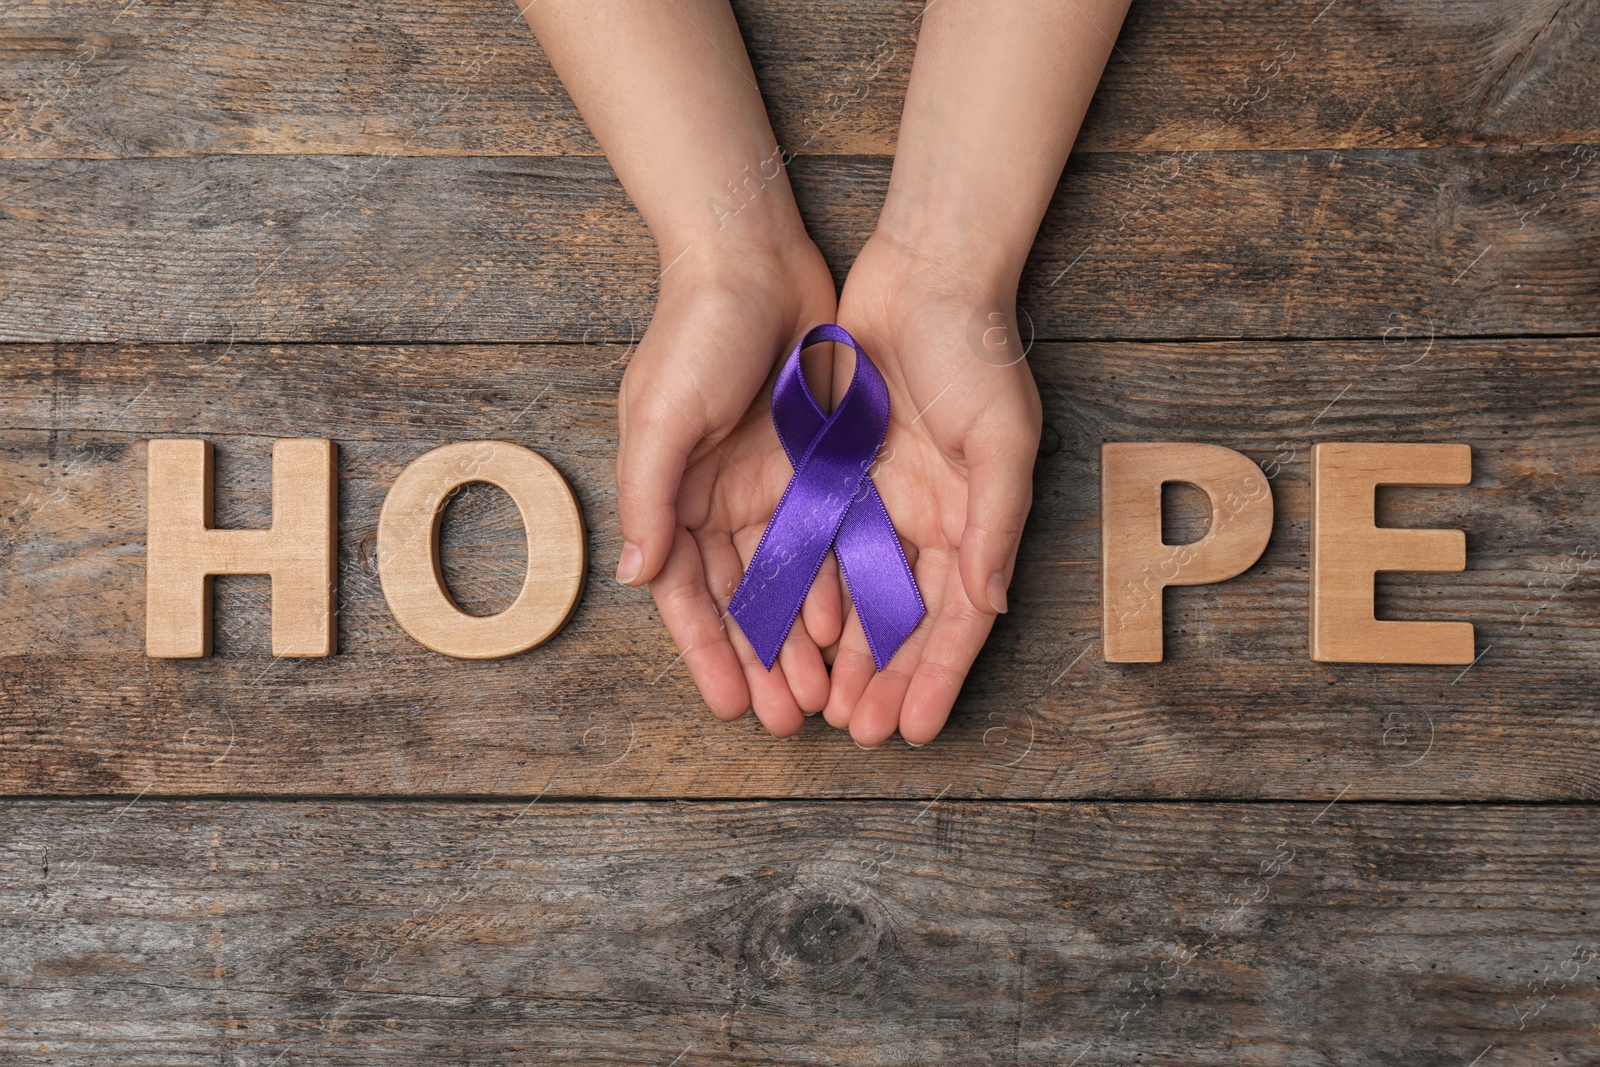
[
  {"x": 955, "y": 472},
  {"x": 669, "y": 92},
  {"x": 996, "y": 95},
  {"x": 700, "y": 470}
]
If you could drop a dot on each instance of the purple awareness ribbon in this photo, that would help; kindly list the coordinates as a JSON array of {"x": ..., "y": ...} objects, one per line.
[{"x": 829, "y": 503}]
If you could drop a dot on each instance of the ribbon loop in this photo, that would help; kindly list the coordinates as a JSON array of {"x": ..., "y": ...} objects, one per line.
[{"x": 830, "y": 502}]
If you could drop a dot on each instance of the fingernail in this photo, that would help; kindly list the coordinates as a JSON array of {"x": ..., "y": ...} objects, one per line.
[
  {"x": 630, "y": 564},
  {"x": 997, "y": 592}
]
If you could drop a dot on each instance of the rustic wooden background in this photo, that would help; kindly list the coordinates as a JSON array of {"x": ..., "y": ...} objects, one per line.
[{"x": 385, "y": 224}]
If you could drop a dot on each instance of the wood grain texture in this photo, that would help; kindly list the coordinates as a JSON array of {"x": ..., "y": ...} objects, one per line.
[
  {"x": 463, "y": 77},
  {"x": 926, "y": 932},
  {"x": 349, "y": 200},
  {"x": 1237, "y": 708},
  {"x": 1190, "y": 245}
]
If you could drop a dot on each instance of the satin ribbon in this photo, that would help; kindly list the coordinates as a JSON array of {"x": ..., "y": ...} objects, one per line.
[{"x": 829, "y": 503}]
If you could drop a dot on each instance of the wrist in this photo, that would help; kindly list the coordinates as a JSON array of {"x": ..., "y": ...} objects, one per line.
[
  {"x": 774, "y": 282},
  {"x": 977, "y": 226},
  {"x": 969, "y": 257},
  {"x": 960, "y": 266},
  {"x": 776, "y": 259},
  {"x": 929, "y": 288},
  {"x": 747, "y": 213}
]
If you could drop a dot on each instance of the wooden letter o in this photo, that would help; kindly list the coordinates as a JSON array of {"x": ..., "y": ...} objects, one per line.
[{"x": 408, "y": 550}]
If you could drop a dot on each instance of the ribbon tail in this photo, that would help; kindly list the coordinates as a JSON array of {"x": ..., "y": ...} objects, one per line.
[
  {"x": 882, "y": 587},
  {"x": 768, "y": 600}
]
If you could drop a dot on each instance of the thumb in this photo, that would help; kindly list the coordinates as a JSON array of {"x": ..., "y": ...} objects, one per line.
[
  {"x": 656, "y": 439},
  {"x": 999, "y": 494}
]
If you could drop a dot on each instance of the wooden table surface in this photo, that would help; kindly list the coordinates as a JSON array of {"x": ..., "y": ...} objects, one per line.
[{"x": 385, "y": 224}]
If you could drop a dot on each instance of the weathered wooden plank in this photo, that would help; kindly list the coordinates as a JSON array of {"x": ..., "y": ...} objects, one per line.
[
  {"x": 1237, "y": 709},
  {"x": 1479, "y": 241},
  {"x": 929, "y": 933},
  {"x": 456, "y": 77}
]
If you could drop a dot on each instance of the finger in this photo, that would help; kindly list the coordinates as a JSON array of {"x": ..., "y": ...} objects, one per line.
[
  {"x": 954, "y": 640},
  {"x": 692, "y": 618},
  {"x": 656, "y": 439},
  {"x": 823, "y": 610},
  {"x": 804, "y": 670},
  {"x": 852, "y": 672},
  {"x": 853, "y": 667},
  {"x": 770, "y": 695},
  {"x": 999, "y": 493},
  {"x": 877, "y": 713}
]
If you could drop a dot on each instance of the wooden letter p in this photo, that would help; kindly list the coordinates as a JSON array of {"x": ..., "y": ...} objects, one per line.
[{"x": 1136, "y": 565}]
